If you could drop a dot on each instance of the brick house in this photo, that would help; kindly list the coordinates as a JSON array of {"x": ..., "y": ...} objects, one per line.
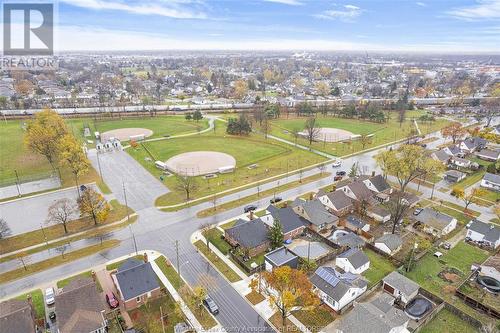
[
  {"x": 337, "y": 202},
  {"x": 136, "y": 282},
  {"x": 16, "y": 316},
  {"x": 251, "y": 236},
  {"x": 293, "y": 224}
]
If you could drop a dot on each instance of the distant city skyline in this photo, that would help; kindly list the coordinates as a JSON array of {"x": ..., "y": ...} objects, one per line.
[{"x": 462, "y": 26}]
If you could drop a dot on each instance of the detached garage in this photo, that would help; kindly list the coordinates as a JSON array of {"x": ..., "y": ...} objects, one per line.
[{"x": 400, "y": 287}]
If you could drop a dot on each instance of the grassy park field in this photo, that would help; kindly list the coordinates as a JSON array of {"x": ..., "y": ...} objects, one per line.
[
  {"x": 273, "y": 158},
  {"x": 14, "y": 155},
  {"x": 383, "y": 133}
]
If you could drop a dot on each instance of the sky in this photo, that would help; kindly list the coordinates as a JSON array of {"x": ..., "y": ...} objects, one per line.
[{"x": 468, "y": 26}]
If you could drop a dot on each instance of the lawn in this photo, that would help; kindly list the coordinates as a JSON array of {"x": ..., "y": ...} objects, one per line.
[
  {"x": 315, "y": 319},
  {"x": 254, "y": 297},
  {"x": 88, "y": 274},
  {"x": 448, "y": 322},
  {"x": 273, "y": 158},
  {"x": 459, "y": 215},
  {"x": 383, "y": 133},
  {"x": 426, "y": 270},
  {"x": 56, "y": 261},
  {"x": 277, "y": 321},
  {"x": 470, "y": 180},
  {"x": 217, "y": 262},
  {"x": 379, "y": 267},
  {"x": 214, "y": 236},
  {"x": 115, "y": 265},
  {"x": 147, "y": 317},
  {"x": 56, "y": 231},
  {"x": 38, "y": 302},
  {"x": 201, "y": 313}
]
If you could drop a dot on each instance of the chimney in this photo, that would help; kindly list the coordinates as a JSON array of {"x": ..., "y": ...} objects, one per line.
[
  {"x": 373, "y": 173},
  {"x": 311, "y": 196},
  {"x": 251, "y": 215},
  {"x": 145, "y": 257},
  {"x": 94, "y": 276}
]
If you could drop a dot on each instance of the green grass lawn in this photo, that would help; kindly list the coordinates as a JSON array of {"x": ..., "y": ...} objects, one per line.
[
  {"x": 315, "y": 319},
  {"x": 214, "y": 236},
  {"x": 273, "y": 158},
  {"x": 460, "y": 216},
  {"x": 426, "y": 270},
  {"x": 217, "y": 262},
  {"x": 448, "y": 322},
  {"x": 470, "y": 180},
  {"x": 38, "y": 302},
  {"x": 147, "y": 317},
  {"x": 379, "y": 267},
  {"x": 383, "y": 133}
]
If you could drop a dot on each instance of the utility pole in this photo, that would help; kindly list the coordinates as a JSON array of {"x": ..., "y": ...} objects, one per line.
[
  {"x": 177, "y": 256},
  {"x": 133, "y": 238},
  {"x": 126, "y": 203},
  {"x": 99, "y": 165},
  {"x": 161, "y": 318},
  {"x": 17, "y": 184}
]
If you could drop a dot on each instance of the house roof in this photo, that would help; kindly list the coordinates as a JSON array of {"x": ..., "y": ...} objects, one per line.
[
  {"x": 334, "y": 283},
  {"x": 339, "y": 199},
  {"x": 473, "y": 142},
  {"x": 249, "y": 234},
  {"x": 317, "y": 213},
  {"x": 15, "y": 317},
  {"x": 287, "y": 217},
  {"x": 441, "y": 155},
  {"x": 356, "y": 257},
  {"x": 400, "y": 282},
  {"x": 490, "y": 231},
  {"x": 492, "y": 178},
  {"x": 454, "y": 173},
  {"x": 379, "y": 210},
  {"x": 454, "y": 149},
  {"x": 360, "y": 190},
  {"x": 489, "y": 153},
  {"x": 378, "y": 316},
  {"x": 79, "y": 307},
  {"x": 355, "y": 221},
  {"x": 392, "y": 241},
  {"x": 460, "y": 160},
  {"x": 136, "y": 278},
  {"x": 380, "y": 183},
  {"x": 434, "y": 218},
  {"x": 351, "y": 240},
  {"x": 280, "y": 256}
]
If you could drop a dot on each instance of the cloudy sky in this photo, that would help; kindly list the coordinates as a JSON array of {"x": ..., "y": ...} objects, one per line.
[{"x": 427, "y": 25}]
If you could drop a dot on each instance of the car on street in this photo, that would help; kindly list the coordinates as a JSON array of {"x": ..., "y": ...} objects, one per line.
[
  {"x": 211, "y": 306},
  {"x": 337, "y": 178},
  {"x": 111, "y": 300},
  {"x": 52, "y": 316},
  {"x": 249, "y": 208},
  {"x": 340, "y": 173},
  {"x": 336, "y": 164},
  {"x": 275, "y": 200},
  {"x": 83, "y": 188},
  {"x": 50, "y": 297},
  {"x": 417, "y": 211}
]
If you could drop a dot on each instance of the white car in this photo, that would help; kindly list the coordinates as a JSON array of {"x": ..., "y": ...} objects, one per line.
[
  {"x": 438, "y": 254},
  {"x": 50, "y": 297},
  {"x": 337, "y": 164}
]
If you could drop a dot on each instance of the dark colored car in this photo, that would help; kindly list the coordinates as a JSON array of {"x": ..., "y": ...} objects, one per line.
[
  {"x": 337, "y": 178},
  {"x": 111, "y": 300},
  {"x": 249, "y": 208},
  {"x": 83, "y": 188},
  {"x": 275, "y": 200},
  {"x": 52, "y": 316},
  {"x": 211, "y": 306},
  {"x": 340, "y": 173}
]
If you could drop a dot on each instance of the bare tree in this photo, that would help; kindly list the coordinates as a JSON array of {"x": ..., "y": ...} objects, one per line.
[
  {"x": 322, "y": 168},
  {"x": 312, "y": 130},
  {"x": 60, "y": 212},
  {"x": 265, "y": 125},
  {"x": 204, "y": 228},
  {"x": 24, "y": 261},
  {"x": 4, "y": 229},
  {"x": 186, "y": 184},
  {"x": 491, "y": 109},
  {"x": 295, "y": 133}
]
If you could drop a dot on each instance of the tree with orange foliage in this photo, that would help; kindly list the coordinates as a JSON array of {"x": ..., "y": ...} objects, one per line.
[
  {"x": 455, "y": 131},
  {"x": 289, "y": 289}
]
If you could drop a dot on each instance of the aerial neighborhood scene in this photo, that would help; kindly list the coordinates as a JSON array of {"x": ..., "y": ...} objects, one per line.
[{"x": 250, "y": 166}]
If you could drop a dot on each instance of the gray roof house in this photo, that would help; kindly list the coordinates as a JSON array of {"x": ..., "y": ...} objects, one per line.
[
  {"x": 135, "y": 278},
  {"x": 280, "y": 257},
  {"x": 16, "y": 316},
  {"x": 452, "y": 150},
  {"x": 355, "y": 223},
  {"x": 349, "y": 239},
  {"x": 454, "y": 176},
  {"x": 435, "y": 222},
  {"x": 389, "y": 243},
  {"x": 80, "y": 308},
  {"x": 291, "y": 222},
  {"x": 353, "y": 261},
  {"x": 441, "y": 156},
  {"x": 357, "y": 190},
  {"x": 488, "y": 155},
  {"x": 315, "y": 213},
  {"x": 479, "y": 231},
  {"x": 248, "y": 234},
  {"x": 337, "y": 201},
  {"x": 491, "y": 181},
  {"x": 473, "y": 143},
  {"x": 377, "y": 316},
  {"x": 400, "y": 287},
  {"x": 378, "y": 184},
  {"x": 336, "y": 289}
]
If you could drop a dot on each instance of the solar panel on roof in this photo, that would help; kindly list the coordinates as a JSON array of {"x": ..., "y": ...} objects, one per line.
[{"x": 329, "y": 277}]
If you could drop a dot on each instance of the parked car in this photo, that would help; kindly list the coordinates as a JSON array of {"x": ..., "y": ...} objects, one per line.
[
  {"x": 337, "y": 178},
  {"x": 417, "y": 211},
  {"x": 438, "y": 254},
  {"x": 336, "y": 164},
  {"x": 275, "y": 200},
  {"x": 52, "y": 316},
  {"x": 340, "y": 173},
  {"x": 50, "y": 296},
  {"x": 211, "y": 306},
  {"x": 249, "y": 208},
  {"x": 111, "y": 300},
  {"x": 83, "y": 188},
  {"x": 446, "y": 245}
]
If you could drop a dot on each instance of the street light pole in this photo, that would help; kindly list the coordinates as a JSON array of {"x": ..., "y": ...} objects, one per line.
[
  {"x": 99, "y": 165},
  {"x": 133, "y": 238},
  {"x": 126, "y": 203}
]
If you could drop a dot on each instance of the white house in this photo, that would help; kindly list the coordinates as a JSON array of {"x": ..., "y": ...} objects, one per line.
[
  {"x": 389, "y": 243},
  {"x": 337, "y": 202},
  {"x": 435, "y": 222},
  {"x": 336, "y": 289},
  {"x": 460, "y": 162},
  {"x": 488, "y": 233},
  {"x": 378, "y": 213},
  {"x": 400, "y": 287},
  {"x": 353, "y": 261},
  {"x": 491, "y": 181}
]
